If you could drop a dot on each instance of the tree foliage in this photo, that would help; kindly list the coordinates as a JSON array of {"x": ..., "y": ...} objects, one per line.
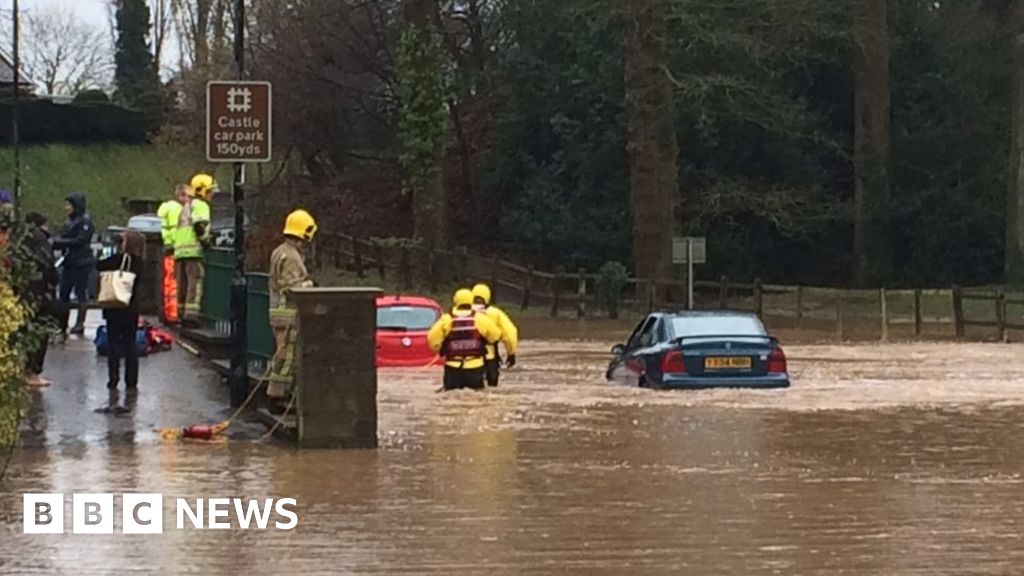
[
  {"x": 536, "y": 156},
  {"x": 135, "y": 70}
]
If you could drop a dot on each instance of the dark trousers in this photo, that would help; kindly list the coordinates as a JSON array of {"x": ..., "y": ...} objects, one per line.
[
  {"x": 459, "y": 378},
  {"x": 121, "y": 336},
  {"x": 47, "y": 311},
  {"x": 493, "y": 371},
  {"x": 74, "y": 279}
]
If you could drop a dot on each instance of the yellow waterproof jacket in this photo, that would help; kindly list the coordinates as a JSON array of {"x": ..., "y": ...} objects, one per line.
[
  {"x": 509, "y": 332},
  {"x": 441, "y": 329},
  {"x": 186, "y": 242},
  {"x": 169, "y": 214}
]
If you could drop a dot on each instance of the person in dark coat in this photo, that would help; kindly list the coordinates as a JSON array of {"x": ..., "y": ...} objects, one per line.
[
  {"x": 75, "y": 240},
  {"x": 41, "y": 291},
  {"x": 123, "y": 323}
]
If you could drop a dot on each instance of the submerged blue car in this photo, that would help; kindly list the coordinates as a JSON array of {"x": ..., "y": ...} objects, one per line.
[{"x": 700, "y": 350}]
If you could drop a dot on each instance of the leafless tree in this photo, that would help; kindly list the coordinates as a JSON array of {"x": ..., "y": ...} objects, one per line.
[{"x": 64, "y": 53}]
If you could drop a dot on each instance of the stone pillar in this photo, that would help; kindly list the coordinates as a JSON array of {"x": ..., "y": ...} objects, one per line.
[{"x": 336, "y": 372}]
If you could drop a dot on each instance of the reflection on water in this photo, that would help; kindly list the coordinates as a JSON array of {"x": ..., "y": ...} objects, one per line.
[{"x": 879, "y": 460}]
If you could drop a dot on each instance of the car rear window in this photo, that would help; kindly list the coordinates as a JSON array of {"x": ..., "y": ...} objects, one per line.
[
  {"x": 401, "y": 318},
  {"x": 686, "y": 327}
]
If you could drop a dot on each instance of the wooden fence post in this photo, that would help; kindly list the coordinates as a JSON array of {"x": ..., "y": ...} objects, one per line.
[
  {"x": 1001, "y": 315},
  {"x": 528, "y": 288},
  {"x": 337, "y": 255},
  {"x": 555, "y": 283},
  {"x": 759, "y": 298},
  {"x": 378, "y": 252},
  {"x": 958, "y": 311},
  {"x": 652, "y": 295},
  {"x": 885, "y": 315},
  {"x": 723, "y": 294},
  {"x": 918, "y": 321},
  {"x": 799, "y": 306},
  {"x": 840, "y": 329},
  {"x": 357, "y": 255},
  {"x": 433, "y": 271},
  {"x": 581, "y": 305},
  {"x": 405, "y": 266}
]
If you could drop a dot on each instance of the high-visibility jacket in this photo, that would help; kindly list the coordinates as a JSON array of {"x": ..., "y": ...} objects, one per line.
[
  {"x": 442, "y": 330},
  {"x": 187, "y": 244},
  {"x": 169, "y": 213},
  {"x": 509, "y": 332}
]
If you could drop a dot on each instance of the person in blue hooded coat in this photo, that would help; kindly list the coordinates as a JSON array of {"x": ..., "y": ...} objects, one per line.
[{"x": 75, "y": 241}]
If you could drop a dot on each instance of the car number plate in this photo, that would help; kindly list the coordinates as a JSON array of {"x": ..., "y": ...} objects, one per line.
[{"x": 733, "y": 363}]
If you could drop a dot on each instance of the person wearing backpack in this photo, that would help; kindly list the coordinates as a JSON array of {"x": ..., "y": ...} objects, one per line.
[
  {"x": 462, "y": 338},
  {"x": 123, "y": 322}
]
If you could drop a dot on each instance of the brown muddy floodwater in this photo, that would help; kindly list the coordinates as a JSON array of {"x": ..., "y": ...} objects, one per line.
[{"x": 888, "y": 460}]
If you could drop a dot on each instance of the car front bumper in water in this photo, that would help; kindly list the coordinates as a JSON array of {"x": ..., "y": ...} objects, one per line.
[{"x": 704, "y": 382}]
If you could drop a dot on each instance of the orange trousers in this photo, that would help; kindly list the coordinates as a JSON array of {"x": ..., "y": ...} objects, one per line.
[{"x": 170, "y": 292}]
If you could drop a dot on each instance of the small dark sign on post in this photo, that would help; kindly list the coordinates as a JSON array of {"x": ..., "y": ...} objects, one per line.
[{"x": 238, "y": 121}]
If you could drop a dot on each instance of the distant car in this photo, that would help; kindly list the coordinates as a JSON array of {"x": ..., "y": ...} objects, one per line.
[
  {"x": 402, "y": 325},
  {"x": 700, "y": 350}
]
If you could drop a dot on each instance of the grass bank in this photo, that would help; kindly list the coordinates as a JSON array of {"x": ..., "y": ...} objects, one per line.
[{"x": 106, "y": 174}]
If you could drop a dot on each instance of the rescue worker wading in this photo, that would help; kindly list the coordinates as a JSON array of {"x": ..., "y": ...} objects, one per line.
[
  {"x": 509, "y": 333},
  {"x": 287, "y": 271},
  {"x": 169, "y": 214},
  {"x": 190, "y": 237},
  {"x": 462, "y": 338}
]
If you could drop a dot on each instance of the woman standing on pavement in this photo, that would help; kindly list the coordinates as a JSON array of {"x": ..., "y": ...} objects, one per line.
[
  {"x": 41, "y": 291},
  {"x": 75, "y": 239},
  {"x": 122, "y": 323}
]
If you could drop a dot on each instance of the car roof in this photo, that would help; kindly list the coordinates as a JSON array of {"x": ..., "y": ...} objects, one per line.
[
  {"x": 400, "y": 300},
  {"x": 704, "y": 314}
]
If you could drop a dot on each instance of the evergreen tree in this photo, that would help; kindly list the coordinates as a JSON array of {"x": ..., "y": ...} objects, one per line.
[{"x": 136, "y": 76}]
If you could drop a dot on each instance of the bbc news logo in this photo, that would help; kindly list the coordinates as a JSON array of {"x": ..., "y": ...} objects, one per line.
[{"x": 144, "y": 513}]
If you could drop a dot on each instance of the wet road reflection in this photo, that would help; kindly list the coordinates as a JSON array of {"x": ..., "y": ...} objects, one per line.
[{"x": 902, "y": 459}]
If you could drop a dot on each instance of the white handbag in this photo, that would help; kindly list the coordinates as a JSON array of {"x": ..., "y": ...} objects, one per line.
[{"x": 116, "y": 285}]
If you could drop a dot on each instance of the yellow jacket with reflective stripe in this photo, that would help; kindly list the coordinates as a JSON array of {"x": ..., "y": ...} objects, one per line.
[
  {"x": 509, "y": 332},
  {"x": 441, "y": 329},
  {"x": 186, "y": 242},
  {"x": 169, "y": 213}
]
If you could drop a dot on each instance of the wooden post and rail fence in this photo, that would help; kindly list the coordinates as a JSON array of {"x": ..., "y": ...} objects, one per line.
[{"x": 842, "y": 314}]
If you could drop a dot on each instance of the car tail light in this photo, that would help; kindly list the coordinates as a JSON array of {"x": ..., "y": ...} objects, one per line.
[
  {"x": 777, "y": 363},
  {"x": 673, "y": 363}
]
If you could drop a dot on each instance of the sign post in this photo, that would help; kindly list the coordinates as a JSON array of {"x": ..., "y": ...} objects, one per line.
[
  {"x": 689, "y": 251},
  {"x": 238, "y": 130}
]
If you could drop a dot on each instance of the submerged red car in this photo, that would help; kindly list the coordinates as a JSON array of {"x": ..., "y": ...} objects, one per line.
[{"x": 402, "y": 325}]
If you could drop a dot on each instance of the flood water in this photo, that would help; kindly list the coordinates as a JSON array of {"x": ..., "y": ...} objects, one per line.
[{"x": 896, "y": 459}]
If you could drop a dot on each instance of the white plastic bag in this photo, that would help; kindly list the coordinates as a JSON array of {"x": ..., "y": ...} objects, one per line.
[{"x": 116, "y": 285}]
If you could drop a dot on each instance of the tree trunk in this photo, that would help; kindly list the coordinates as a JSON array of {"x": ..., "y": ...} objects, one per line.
[
  {"x": 871, "y": 141},
  {"x": 653, "y": 149},
  {"x": 428, "y": 194},
  {"x": 1015, "y": 193}
]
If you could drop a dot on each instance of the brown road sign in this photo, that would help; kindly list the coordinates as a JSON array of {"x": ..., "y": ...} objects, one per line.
[{"x": 238, "y": 121}]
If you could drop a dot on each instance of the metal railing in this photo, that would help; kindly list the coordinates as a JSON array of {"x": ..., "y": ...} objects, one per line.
[{"x": 215, "y": 308}]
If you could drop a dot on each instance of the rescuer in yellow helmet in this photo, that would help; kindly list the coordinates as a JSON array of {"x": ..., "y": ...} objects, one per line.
[
  {"x": 169, "y": 213},
  {"x": 509, "y": 333},
  {"x": 191, "y": 239},
  {"x": 462, "y": 338},
  {"x": 287, "y": 271}
]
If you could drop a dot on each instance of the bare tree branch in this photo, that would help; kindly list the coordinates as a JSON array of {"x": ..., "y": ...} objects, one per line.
[{"x": 66, "y": 54}]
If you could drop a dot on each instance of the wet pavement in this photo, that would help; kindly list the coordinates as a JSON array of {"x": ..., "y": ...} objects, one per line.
[{"x": 897, "y": 459}]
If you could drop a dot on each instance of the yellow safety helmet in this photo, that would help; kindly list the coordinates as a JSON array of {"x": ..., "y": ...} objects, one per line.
[
  {"x": 483, "y": 292},
  {"x": 300, "y": 225},
  {"x": 463, "y": 299},
  {"x": 203, "y": 185}
]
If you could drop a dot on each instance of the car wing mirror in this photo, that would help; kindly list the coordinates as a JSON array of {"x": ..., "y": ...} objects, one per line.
[{"x": 618, "y": 350}]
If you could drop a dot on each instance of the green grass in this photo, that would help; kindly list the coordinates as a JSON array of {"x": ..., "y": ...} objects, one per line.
[{"x": 106, "y": 174}]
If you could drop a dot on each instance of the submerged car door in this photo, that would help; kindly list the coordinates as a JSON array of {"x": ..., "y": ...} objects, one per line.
[{"x": 630, "y": 367}]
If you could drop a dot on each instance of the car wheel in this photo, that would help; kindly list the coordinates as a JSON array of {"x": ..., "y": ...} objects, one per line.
[{"x": 642, "y": 382}]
